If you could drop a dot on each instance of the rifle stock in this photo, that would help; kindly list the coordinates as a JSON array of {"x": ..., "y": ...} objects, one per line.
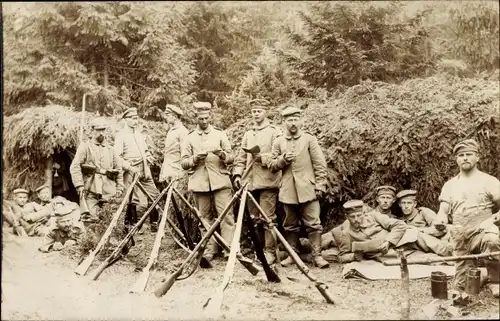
[
  {"x": 83, "y": 267},
  {"x": 246, "y": 262},
  {"x": 166, "y": 285},
  {"x": 142, "y": 281},
  {"x": 442, "y": 259},
  {"x": 322, "y": 288},
  {"x": 118, "y": 250}
]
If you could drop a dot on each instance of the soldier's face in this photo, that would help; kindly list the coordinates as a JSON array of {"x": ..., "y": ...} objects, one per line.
[
  {"x": 293, "y": 124},
  {"x": 44, "y": 195},
  {"x": 467, "y": 160},
  {"x": 99, "y": 135},
  {"x": 355, "y": 219},
  {"x": 65, "y": 223},
  {"x": 385, "y": 201},
  {"x": 132, "y": 121},
  {"x": 407, "y": 206},
  {"x": 170, "y": 118},
  {"x": 21, "y": 199},
  {"x": 203, "y": 120},
  {"x": 258, "y": 115}
]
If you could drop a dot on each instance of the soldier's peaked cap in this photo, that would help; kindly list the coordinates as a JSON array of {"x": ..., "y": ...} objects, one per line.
[
  {"x": 290, "y": 111},
  {"x": 386, "y": 190},
  {"x": 41, "y": 188},
  {"x": 173, "y": 109},
  {"x": 99, "y": 123},
  {"x": 202, "y": 105},
  {"x": 407, "y": 193},
  {"x": 20, "y": 191},
  {"x": 62, "y": 210},
  {"x": 353, "y": 206},
  {"x": 468, "y": 145},
  {"x": 131, "y": 112},
  {"x": 259, "y": 104}
]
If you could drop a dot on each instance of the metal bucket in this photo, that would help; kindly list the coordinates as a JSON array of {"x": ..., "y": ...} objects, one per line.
[
  {"x": 473, "y": 281},
  {"x": 439, "y": 285}
]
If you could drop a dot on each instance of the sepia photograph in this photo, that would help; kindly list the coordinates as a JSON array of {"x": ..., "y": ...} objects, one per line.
[{"x": 250, "y": 160}]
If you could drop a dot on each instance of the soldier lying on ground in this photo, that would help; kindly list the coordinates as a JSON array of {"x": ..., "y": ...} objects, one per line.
[
  {"x": 430, "y": 237},
  {"x": 66, "y": 232}
]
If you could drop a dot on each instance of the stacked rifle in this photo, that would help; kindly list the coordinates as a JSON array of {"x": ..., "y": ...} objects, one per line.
[{"x": 195, "y": 257}]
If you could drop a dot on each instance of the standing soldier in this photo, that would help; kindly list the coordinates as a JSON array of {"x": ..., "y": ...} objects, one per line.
[
  {"x": 176, "y": 135},
  {"x": 299, "y": 157},
  {"x": 386, "y": 196},
  {"x": 206, "y": 153},
  {"x": 96, "y": 170},
  {"x": 468, "y": 199},
  {"x": 131, "y": 147},
  {"x": 264, "y": 184}
]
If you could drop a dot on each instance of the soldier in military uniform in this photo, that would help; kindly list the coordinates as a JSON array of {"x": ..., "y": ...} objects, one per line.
[
  {"x": 468, "y": 201},
  {"x": 45, "y": 199},
  {"x": 263, "y": 184},
  {"x": 95, "y": 164},
  {"x": 386, "y": 196},
  {"x": 207, "y": 153},
  {"x": 303, "y": 166},
  {"x": 176, "y": 136},
  {"x": 131, "y": 147},
  {"x": 430, "y": 237},
  {"x": 369, "y": 234},
  {"x": 11, "y": 217},
  {"x": 66, "y": 232}
]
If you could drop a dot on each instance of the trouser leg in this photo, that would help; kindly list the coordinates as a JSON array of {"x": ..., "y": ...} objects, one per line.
[{"x": 203, "y": 203}]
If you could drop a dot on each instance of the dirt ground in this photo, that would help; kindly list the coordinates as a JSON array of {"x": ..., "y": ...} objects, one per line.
[{"x": 39, "y": 286}]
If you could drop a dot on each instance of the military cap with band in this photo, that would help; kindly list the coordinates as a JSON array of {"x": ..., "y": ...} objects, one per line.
[
  {"x": 174, "y": 110},
  {"x": 386, "y": 190},
  {"x": 468, "y": 145},
  {"x": 259, "y": 104},
  {"x": 20, "y": 191},
  {"x": 62, "y": 211},
  {"x": 353, "y": 206},
  {"x": 99, "y": 124},
  {"x": 407, "y": 193},
  {"x": 202, "y": 106},
  {"x": 131, "y": 112},
  {"x": 41, "y": 188},
  {"x": 291, "y": 111}
]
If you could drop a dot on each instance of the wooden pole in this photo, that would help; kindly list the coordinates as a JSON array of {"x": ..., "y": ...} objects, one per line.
[{"x": 49, "y": 163}]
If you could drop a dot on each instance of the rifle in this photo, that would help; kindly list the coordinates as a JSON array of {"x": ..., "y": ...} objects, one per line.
[
  {"x": 204, "y": 262},
  {"x": 142, "y": 281},
  {"x": 118, "y": 250},
  {"x": 198, "y": 250},
  {"x": 214, "y": 302},
  {"x": 443, "y": 259},
  {"x": 246, "y": 262},
  {"x": 84, "y": 266},
  {"x": 322, "y": 288}
]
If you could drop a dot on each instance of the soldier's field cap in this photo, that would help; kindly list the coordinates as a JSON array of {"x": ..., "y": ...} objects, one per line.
[
  {"x": 386, "y": 190},
  {"x": 468, "y": 145},
  {"x": 99, "y": 124},
  {"x": 20, "y": 191},
  {"x": 202, "y": 106},
  {"x": 39, "y": 189},
  {"x": 259, "y": 104},
  {"x": 291, "y": 111},
  {"x": 407, "y": 193},
  {"x": 62, "y": 211},
  {"x": 353, "y": 206},
  {"x": 173, "y": 109},
  {"x": 131, "y": 112}
]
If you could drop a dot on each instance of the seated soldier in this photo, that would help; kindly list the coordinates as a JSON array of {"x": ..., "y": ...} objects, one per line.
[
  {"x": 34, "y": 218},
  {"x": 367, "y": 235},
  {"x": 66, "y": 232},
  {"x": 11, "y": 219},
  {"x": 43, "y": 193},
  {"x": 386, "y": 195},
  {"x": 430, "y": 237}
]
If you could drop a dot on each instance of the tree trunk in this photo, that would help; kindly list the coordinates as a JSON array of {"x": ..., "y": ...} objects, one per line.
[
  {"x": 49, "y": 162},
  {"x": 106, "y": 72}
]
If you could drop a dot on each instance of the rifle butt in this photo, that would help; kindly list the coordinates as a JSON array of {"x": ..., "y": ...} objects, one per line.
[
  {"x": 166, "y": 285},
  {"x": 100, "y": 269},
  {"x": 140, "y": 285},
  {"x": 248, "y": 264},
  {"x": 323, "y": 289},
  {"x": 205, "y": 264},
  {"x": 83, "y": 267}
]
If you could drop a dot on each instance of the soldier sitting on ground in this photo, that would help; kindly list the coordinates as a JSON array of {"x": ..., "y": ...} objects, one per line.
[
  {"x": 11, "y": 219},
  {"x": 430, "y": 237},
  {"x": 66, "y": 232}
]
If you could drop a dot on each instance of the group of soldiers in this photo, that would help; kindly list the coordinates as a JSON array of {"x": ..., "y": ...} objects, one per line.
[{"x": 288, "y": 166}]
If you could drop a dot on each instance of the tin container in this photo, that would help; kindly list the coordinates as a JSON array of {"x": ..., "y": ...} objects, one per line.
[
  {"x": 473, "y": 281},
  {"x": 439, "y": 285}
]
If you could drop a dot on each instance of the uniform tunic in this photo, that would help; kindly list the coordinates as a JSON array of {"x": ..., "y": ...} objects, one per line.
[
  {"x": 57, "y": 235},
  {"x": 172, "y": 156}
]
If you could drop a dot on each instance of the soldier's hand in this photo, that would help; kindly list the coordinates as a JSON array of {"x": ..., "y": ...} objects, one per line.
[
  {"x": 57, "y": 246},
  {"x": 79, "y": 190},
  {"x": 289, "y": 156},
  {"x": 237, "y": 182},
  {"x": 118, "y": 193},
  {"x": 220, "y": 154},
  {"x": 200, "y": 156},
  {"x": 319, "y": 194},
  {"x": 69, "y": 243},
  {"x": 358, "y": 256},
  {"x": 258, "y": 158},
  {"x": 384, "y": 248}
]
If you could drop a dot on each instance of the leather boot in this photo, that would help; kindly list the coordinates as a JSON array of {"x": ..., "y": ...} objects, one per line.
[
  {"x": 315, "y": 240},
  {"x": 293, "y": 239},
  {"x": 270, "y": 246},
  {"x": 493, "y": 268}
]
